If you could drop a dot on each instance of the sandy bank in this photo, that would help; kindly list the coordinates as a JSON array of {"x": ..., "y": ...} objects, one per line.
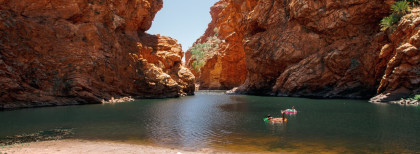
[{"x": 91, "y": 147}]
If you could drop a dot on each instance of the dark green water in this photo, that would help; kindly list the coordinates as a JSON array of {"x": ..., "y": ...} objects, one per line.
[{"x": 234, "y": 123}]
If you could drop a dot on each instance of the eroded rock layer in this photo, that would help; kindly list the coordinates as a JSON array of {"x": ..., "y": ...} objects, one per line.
[
  {"x": 324, "y": 48},
  {"x": 77, "y": 52}
]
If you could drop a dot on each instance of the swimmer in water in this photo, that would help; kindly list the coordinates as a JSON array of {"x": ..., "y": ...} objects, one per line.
[{"x": 282, "y": 119}]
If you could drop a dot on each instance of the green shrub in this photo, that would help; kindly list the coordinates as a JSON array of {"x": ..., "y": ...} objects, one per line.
[
  {"x": 202, "y": 51},
  {"x": 416, "y": 97},
  {"x": 400, "y": 8},
  {"x": 198, "y": 54},
  {"x": 389, "y": 21},
  {"x": 197, "y": 65}
]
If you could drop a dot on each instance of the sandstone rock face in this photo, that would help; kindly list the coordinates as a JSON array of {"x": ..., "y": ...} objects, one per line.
[
  {"x": 400, "y": 59},
  {"x": 226, "y": 67},
  {"x": 324, "y": 48},
  {"x": 77, "y": 52},
  {"x": 315, "y": 48}
]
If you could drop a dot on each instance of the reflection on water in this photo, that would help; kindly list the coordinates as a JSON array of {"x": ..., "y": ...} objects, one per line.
[
  {"x": 191, "y": 124},
  {"x": 235, "y": 123}
]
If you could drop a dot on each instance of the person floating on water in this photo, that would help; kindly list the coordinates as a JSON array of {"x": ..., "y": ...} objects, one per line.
[
  {"x": 291, "y": 111},
  {"x": 271, "y": 119}
]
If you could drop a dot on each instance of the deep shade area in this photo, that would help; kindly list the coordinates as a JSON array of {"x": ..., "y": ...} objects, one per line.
[{"x": 233, "y": 123}]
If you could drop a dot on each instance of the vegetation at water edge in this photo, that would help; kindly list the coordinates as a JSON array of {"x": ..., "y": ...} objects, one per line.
[{"x": 417, "y": 97}]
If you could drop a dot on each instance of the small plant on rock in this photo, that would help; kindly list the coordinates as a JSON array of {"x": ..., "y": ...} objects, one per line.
[
  {"x": 400, "y": 8},
  {"x": 388, "y": 21},
  {"x": 201, "y": 52},
  {"x": 417, "y": 97}
]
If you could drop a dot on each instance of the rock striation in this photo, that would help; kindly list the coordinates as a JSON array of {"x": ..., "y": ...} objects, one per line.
[
  {"x": 82, "y": 51},
  {"x": 324, "y": 49}
]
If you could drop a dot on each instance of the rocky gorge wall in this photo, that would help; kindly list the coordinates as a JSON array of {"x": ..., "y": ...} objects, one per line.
[
  {"x": 400, "y": 60},
  {"x": 83, "y": 51},
  {"x": 225, "y": 68},
  {"x": 325, "y": 48}
]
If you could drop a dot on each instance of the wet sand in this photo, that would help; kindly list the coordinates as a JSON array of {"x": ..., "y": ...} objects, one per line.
[{"x": 91, "y": 147}]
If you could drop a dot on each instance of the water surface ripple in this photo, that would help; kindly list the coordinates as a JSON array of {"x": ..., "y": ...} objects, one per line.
[{"x": 211, "y": 119}]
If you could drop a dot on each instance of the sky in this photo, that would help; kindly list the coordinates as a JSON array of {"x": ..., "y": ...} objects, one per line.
[{"x": 183, "y": 20}]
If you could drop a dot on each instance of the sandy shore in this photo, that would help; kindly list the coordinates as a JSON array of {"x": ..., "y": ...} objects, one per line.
[{"x": 91, "y": 147}]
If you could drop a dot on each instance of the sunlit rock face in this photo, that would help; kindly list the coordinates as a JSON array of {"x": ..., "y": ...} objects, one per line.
[
  {"x": 82, "y": 51},
  {"x": 225, "y": 68},
  {"x": 324, "y": 48}
]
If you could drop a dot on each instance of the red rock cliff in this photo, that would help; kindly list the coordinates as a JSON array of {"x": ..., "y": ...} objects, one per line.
[
  {"x": 324, "y": 48},
  {"x": 224, "y": 66},
  {"x": 400, "y": 60},
  {"x": 82, "y": 51},
  {"x": 314, "y": 48}
]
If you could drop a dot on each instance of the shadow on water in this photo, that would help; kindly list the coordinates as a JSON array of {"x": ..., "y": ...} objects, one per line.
[
  {"x": 237, "y": 107},
  {"x": 233, "y": 123},
  {"x": 54, "y": 134}
]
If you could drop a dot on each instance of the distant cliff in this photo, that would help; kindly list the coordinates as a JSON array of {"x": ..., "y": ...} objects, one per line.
[
  {"x": 224, "y": 64},
  {"x": 83, "y": 51},
  {"x": 325, "y": 49}
]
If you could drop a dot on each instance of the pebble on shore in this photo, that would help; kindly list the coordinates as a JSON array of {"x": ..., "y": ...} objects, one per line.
[
  {"x": 119, "y": 100},
  {"x": 407, "y": 102}
]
